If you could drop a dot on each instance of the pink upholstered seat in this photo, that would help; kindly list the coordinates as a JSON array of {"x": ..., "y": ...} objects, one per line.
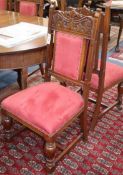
[
  {"x": 3, "y": 4},
  {"x": 28, "y": 8},
  {"x": 47, "y": 106},
  {"x": 113, "y": 74},
  {"x": 70, "y": 50}
]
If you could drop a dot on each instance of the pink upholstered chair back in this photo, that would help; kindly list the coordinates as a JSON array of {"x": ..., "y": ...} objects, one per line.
[
  {"x": 68, "y": 54},
  {"x": 3, "y": 4},
  {"x": 72, "y": 37},
  {"x": 28, "y": 8}
]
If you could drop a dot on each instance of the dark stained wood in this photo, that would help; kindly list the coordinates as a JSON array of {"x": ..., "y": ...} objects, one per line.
[
  {"x": 9, "y": 5},
  {"x": 23, "y": 55},
  {"x": 68, "y": 22}
]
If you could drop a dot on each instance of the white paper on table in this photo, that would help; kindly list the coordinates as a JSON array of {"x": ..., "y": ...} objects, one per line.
[
  {"x": 117, "y": 4},
  {"x": 20, "y": 33}
]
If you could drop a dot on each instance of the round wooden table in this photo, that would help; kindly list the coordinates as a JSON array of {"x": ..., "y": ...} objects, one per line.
[{"x": 24, "y": 55}]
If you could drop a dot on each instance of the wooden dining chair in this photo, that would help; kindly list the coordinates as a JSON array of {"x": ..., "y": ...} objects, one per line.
[
  {"x": 29, "y": 7},
  {"x": 105, "y": 74},
  {"x": 5, "y": 4},
  {"x": 49, "y": 108}
]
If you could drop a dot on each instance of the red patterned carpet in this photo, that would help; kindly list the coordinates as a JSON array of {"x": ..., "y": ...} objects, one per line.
[{"x": 101, "y": 155}]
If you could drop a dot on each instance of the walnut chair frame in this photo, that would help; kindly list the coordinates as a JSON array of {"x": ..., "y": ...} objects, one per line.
[
  {"x": 77, "y": 25},
  {"x": 101, "y": 70},
  {"x": 101, "y": 66}
]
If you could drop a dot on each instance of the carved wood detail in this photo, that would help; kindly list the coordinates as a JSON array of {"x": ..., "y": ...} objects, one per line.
[{"x": 71, "y": 20}]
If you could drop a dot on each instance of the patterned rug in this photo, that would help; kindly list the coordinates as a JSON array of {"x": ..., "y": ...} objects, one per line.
[{"x": 101, "y": 155}]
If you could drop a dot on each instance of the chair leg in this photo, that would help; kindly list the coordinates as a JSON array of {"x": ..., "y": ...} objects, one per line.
[
  {"x": 120, "y": 93},
  {"x": 96, "y": 112},
  {"x": 22, "y": 77},
  {"x": 44, "y": 71},
  {"x": 42, "y": 68},
  {"x": 7, "y": 124},
  {"x": 109, "y": 32},
  {"x": 18, "y": 77},
  {"x": 50, "y": 150},
  {"x": 63, "y": 83},
  {"x": 83, "y": 124}
]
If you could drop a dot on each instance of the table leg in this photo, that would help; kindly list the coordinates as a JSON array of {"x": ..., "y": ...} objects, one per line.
[
  {"x": 22, "y": 77},
  {"x": 119, "y": 35},
  {"x": 109, "y": 32}
]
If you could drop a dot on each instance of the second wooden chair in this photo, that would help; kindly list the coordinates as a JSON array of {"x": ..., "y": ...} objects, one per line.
[
  {"x": 5, "y": 4},
  {"x": 29, "y": 7},
  {"x": 105, "y": 74}
]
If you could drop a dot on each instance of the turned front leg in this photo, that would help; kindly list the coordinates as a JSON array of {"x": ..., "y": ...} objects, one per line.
[
  {"x": 7, "y": 124},
  {"x": 50, "y": 150}
]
